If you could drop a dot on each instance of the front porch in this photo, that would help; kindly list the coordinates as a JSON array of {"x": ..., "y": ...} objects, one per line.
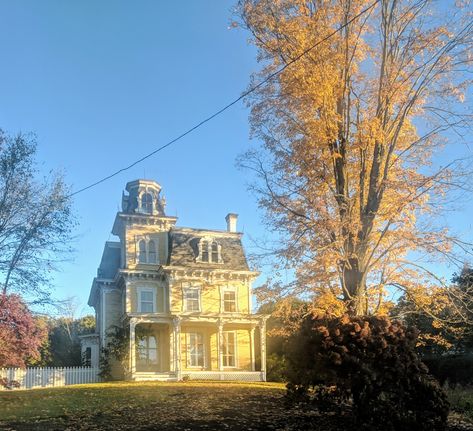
[{"x": 195, "y": 348}]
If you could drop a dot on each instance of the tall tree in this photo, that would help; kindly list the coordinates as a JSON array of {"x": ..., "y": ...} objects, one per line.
[
  {"x": 349, "y": 132},
  {"x": 35, "y": 219}
]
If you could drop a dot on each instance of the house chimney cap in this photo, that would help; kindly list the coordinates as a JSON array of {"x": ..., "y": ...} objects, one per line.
[{"x": 231, "y": 220}]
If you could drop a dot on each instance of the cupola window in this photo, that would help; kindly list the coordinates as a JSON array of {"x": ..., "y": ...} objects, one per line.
[{"x": 147, "y": 203}]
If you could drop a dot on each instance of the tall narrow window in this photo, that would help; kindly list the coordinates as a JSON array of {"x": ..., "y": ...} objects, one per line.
[
  {"x": 195, "y": 349},
  {"x": 229, "y": 349},
  {"x": 151, "y": 252},
  {"x": 146, "y": 298},
  {"x": 192, "y": 299},
  {"x": 204, "y": 251},
  {"x": 229, "y": 301},
  {"x": 142, "y": 251},
  {"x": 215, "y": 252},
  {"x": 147, "y": 203},
  {"x": 147, "y": 353}
]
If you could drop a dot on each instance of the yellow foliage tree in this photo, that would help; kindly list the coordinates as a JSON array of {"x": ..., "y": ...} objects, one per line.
[{"x": 349, "y": 133}]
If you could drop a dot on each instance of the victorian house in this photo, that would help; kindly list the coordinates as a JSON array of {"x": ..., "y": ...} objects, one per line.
[{"x": 184, "y": 296}]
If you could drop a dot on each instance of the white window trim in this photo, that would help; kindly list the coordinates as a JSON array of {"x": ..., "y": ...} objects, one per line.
[
  {"x": 184, "y": 301},
  {"x": 204, "y": 344},
  {"x": 146, "y": 239},
  {"x": 235, "y": 349},
  {"x": 224, "y": 289},
  {"x": 141, "y": 289}
]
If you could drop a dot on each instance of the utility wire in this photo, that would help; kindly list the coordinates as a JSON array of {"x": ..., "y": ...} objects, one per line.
[{"x": 229, "y": 105}]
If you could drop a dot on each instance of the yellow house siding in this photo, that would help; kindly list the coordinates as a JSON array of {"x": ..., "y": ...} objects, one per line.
[
  {"x": 113, "y": 308},
  {"x": 213, "y": 349},
  {"x": 159, "y": 289},
  {"x": 211, "y": 296},
  {"x": 243, "y": 349},
  {"x": 210, "y": 299}
]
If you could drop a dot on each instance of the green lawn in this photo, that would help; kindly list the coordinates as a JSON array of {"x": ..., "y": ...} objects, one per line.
[{"x": 174, "y": 406}]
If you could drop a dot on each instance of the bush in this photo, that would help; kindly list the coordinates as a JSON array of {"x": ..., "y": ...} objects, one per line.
[
  {"x": 453, "y": 369},
  {"x": 276, "y": 368},
  {"x": 372, "y": 363}
]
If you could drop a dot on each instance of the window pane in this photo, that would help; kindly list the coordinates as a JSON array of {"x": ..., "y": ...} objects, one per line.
[
  {"x": 147, "y": 307},
  {"x": 147, "y": 203},
  {"x": 229, "y": 349},
  {"x": 147, "y": 296},
  {"x": 151, "y": 252},
  {"x": 146, "y": 301},
  {"x": 205, "y": 251},
  {"x": 142, "y": 251},
  {"x": 229, "y": 301},
  {"x": 214, "y": 252},
  {"x": 191, "y": 300},
  {"x": 196, "y": 350}
]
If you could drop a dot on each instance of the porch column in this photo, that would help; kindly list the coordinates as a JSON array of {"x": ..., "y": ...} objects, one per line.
[
  {"x": 262, "y": 328},
  {"x": 220, "y": 345},
  {"x": 177, "y": 346},
  {"x": 132, "y": 348},
  {"x": 252, "y": 347}
]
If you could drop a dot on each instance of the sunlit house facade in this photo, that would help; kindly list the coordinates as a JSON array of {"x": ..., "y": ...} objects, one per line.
[{"x": 183, "y": 296}]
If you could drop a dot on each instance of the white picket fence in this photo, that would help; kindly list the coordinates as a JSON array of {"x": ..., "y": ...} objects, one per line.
[{"x": 48, "y": 377}]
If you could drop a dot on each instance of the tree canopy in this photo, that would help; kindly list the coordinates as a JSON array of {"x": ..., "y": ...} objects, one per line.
[
  {"x": 21, "y": 335},
  {"x": 36, "y": 220},
  {"x": 346, "y": 171}
]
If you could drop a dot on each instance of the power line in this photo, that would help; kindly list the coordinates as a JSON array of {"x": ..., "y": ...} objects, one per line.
[{"x": 229, "y": 105}]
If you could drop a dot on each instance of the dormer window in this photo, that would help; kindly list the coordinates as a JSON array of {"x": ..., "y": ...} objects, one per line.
[
  {"x": 147, "y": 203},
  {"x": 147, "y": 251},
  {"x": 209, "y": 251}
]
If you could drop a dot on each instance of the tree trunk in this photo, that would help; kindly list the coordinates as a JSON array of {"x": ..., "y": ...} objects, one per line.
[{"x": 355, "y": 288}]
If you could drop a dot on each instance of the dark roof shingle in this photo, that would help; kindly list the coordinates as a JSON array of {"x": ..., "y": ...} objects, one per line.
[{"x": 183, "y": 249}]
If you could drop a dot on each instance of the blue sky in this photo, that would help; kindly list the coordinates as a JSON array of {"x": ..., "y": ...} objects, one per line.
[{"x": 102, "y": 83}]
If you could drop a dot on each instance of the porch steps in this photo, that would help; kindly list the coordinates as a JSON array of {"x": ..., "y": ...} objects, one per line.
[{"x": 150, "y": 376}]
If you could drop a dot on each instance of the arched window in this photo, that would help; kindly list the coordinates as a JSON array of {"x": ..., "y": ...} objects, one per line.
[
  {"x": 151, "y": 252},
  {"x": 142, "y": 251},
  {"x": 204, "y": 246},
  {"x": 215, "y": 254},
  {"x": 147, "y": 203}
]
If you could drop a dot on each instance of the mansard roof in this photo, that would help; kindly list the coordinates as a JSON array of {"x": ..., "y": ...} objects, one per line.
[
  {"x": 110, "y": 260},
  {"x": 184, "y": 248}
]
